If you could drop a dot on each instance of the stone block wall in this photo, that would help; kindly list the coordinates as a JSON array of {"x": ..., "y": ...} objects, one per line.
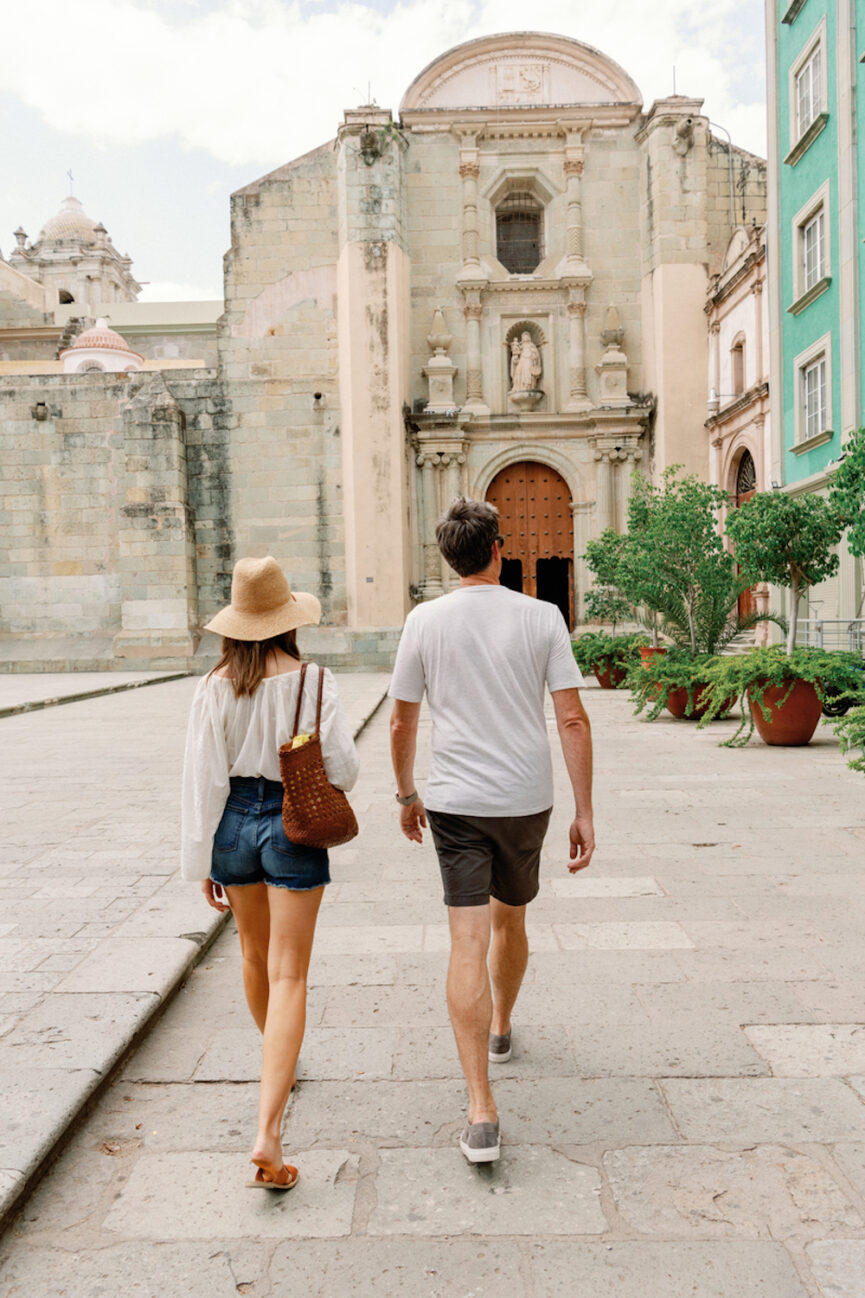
[
  {"x": 112, "y": 504},
  {"x": 277, "y": 348},
  {"x": 60, "y": 516}
]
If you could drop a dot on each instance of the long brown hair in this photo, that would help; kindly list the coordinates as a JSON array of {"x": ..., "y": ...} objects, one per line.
[{"x": 246, "y": 660}]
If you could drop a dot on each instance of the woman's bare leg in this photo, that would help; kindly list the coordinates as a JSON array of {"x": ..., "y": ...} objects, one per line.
[
  {"x": 292, "y": 929},
  {"x": 251, "y": 912}
]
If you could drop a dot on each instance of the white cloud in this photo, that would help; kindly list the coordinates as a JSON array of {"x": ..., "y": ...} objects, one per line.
[{"x": 257, "y": 82}]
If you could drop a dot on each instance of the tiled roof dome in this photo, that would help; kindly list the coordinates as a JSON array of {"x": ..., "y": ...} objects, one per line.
[
  {"x": 99, "y": 335},
  {"x": 71, "y": 222}
]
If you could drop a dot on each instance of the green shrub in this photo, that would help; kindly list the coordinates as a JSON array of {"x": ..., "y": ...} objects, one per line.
[
  {"x": 597, "y": 649},
  {"x": 752, "y": 673}
]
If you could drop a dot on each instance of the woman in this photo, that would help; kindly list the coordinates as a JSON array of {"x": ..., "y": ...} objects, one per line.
[{"x": 232, "y": 819}]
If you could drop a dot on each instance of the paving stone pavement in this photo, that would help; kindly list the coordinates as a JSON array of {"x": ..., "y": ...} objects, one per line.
[
  {"x": 683, "y": 1117},
  {"x": 96, "y": 929}
]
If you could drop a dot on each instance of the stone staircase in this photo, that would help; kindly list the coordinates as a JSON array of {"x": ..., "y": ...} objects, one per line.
[{"x": 741, "y": 643}]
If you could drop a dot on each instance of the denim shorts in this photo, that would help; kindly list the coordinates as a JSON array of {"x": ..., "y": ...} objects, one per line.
[{"x": 250, "y": 845}]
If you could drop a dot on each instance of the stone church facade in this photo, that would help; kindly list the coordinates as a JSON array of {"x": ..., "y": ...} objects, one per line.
[{"x": 500, "y": 293}]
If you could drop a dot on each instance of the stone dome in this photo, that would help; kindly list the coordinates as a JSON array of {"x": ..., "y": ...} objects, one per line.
[
  {"x": 71, "y": 222},
  {"x": 100, "y": 336},
  {"x": 100, "y": 348}
]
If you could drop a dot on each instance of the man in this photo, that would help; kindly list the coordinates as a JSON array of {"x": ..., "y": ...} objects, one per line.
[{"x": 483, "y": 654}]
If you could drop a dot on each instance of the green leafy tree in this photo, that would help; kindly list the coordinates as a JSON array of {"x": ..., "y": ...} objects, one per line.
[
  {"x": 674, "y": 561},
  {"x": 605, "y": 602},
  {"x": 788, "y": 541},
  {"x": 847, "y": 494}
]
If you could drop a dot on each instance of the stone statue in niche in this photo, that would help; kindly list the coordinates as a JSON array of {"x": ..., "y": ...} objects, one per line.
[
  {"x": 526, "y": 366},
  {"x": 526, "y": 370}
]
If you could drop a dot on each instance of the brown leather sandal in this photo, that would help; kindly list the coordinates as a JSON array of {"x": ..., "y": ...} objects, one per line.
[{"x": 289, "y": 1181}]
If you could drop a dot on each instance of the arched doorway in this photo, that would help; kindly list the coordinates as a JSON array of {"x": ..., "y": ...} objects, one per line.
[
  {"x": 534, "y": 504},
  {"x": 746, "y": 487}
]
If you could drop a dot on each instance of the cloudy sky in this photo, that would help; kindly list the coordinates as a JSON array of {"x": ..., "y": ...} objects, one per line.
[{"x": 160, "y": 108}]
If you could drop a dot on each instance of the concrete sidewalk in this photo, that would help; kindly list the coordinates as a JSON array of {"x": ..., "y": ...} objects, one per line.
[
  {"x": 32, "y": 691},
  {"x": 96, "y": 929},
  {"x": 683, "y": 1114}
]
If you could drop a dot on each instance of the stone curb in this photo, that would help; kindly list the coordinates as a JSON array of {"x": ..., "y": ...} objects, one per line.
[
  {"x": 37, "y": 704},
  {"x": 53, "y": 1099}
]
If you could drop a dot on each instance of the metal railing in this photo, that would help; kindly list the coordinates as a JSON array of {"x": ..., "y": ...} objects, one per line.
[{"x": 832, "y": 633}]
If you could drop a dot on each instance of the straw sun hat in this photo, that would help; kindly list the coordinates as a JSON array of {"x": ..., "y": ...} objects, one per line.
[{"x": 263, "y": 604}]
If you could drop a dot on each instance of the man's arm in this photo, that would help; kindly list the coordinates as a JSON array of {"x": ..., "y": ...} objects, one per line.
[
  {"x": 575, "y": 734},
  {"x": 403, "y": 746}
]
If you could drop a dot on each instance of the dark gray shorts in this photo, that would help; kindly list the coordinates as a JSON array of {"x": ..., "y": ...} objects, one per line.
[{"x": 488, "y": 856}]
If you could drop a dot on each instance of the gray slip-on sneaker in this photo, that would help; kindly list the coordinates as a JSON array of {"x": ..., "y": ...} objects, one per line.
[
  {"x": 499, "y": 1051},
  {"x": 480, "y": 1142}
]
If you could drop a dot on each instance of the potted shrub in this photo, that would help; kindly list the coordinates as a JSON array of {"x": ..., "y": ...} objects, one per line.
[
  {"x": 788, "y": 541},
  {"x": 676, "y": 681},
  {"x": 677, "y": 561},
  {"x": 608, "y": 656},
  {"x": 782, "y": 693},
  {"x": 851, "y": 732}
]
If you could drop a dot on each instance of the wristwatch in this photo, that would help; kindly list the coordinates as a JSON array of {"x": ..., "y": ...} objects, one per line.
[{"x": 408, "y": 800}]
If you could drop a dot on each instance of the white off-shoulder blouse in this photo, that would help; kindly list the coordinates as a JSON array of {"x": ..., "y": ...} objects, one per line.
[{"x": 230, "y": 736}]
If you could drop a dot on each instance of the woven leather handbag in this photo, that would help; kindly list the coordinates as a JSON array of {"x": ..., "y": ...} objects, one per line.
[{"x": 314, "y": 812}]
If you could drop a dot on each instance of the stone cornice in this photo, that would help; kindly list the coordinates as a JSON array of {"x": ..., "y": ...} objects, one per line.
[
  {"x": 754, "y": 394},
  {"x": 725, "y": 287},
  {"x": 810, "y": 443},
  {"x": 805, "y": 141},
  {"x": 793, "y": 11},
  {"x": 815, "y": 291},
  {"x": 521, "y": 121}
]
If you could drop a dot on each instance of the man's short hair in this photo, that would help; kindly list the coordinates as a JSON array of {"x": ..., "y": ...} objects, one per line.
[{"x": 466, "y": 534}]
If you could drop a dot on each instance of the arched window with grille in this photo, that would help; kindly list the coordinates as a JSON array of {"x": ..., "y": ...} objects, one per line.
[
  {"x": 519, "y": 232},
  {"x": 746, "y": 478}
]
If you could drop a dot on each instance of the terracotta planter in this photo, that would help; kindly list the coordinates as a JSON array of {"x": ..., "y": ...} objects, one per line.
[
  {"x": 795, "y": 721},
  {"x": 611, "y": 678},
  {"x": 677, "y": 703},
  {"x": 648, "y": 652}
]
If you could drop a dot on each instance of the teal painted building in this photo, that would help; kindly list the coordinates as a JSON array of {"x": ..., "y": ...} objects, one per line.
[{"x": 816, "y": 91}]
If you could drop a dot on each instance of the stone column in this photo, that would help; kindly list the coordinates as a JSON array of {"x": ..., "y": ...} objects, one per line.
[
  {"x": 759, "y": 367},
  {"x": 582, "y": 511},
  {"x": 576, "y": 309},
  {"x": 474, "y": 372},
  {"x": 603, "y": 491},
  {"x": 629, "y": 457},
  {"x": 469, "y": 172},
  {"x": 573, "y": 179},
  {"x": 715, "y": 332},
  {"x": 432, "y": 581}
]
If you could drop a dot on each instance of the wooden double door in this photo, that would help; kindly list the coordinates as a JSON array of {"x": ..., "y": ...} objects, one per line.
[{"x": 534, "y": 506}]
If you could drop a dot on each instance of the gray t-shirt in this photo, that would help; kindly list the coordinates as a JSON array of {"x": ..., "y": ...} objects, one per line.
[{"x": 483, "y": 654}]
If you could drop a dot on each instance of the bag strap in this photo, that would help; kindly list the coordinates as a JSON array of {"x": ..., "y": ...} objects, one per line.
[
  {"x": 318, "y": 706},
  {"x": 299, "y": 699}
]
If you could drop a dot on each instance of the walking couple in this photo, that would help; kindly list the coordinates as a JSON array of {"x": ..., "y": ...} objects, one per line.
[{"x": 483, "y": 656}]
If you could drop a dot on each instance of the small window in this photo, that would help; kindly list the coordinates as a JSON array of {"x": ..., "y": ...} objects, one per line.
[
  {"x": 814, "y": 398},
  {"x": 737, "y": 366},
  {"x": 519, "y": 233},
  {"x": 813, "y": 264},
  {"x": 809, "y": 91},
  {"x": 65, "y": 297}
]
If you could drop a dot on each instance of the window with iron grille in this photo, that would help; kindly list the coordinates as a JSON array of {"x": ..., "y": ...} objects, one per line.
[
  {"x": 809, "y": 91},
  {"x": 519, "y": 233},
  {"x": 814, "y": 397}
]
